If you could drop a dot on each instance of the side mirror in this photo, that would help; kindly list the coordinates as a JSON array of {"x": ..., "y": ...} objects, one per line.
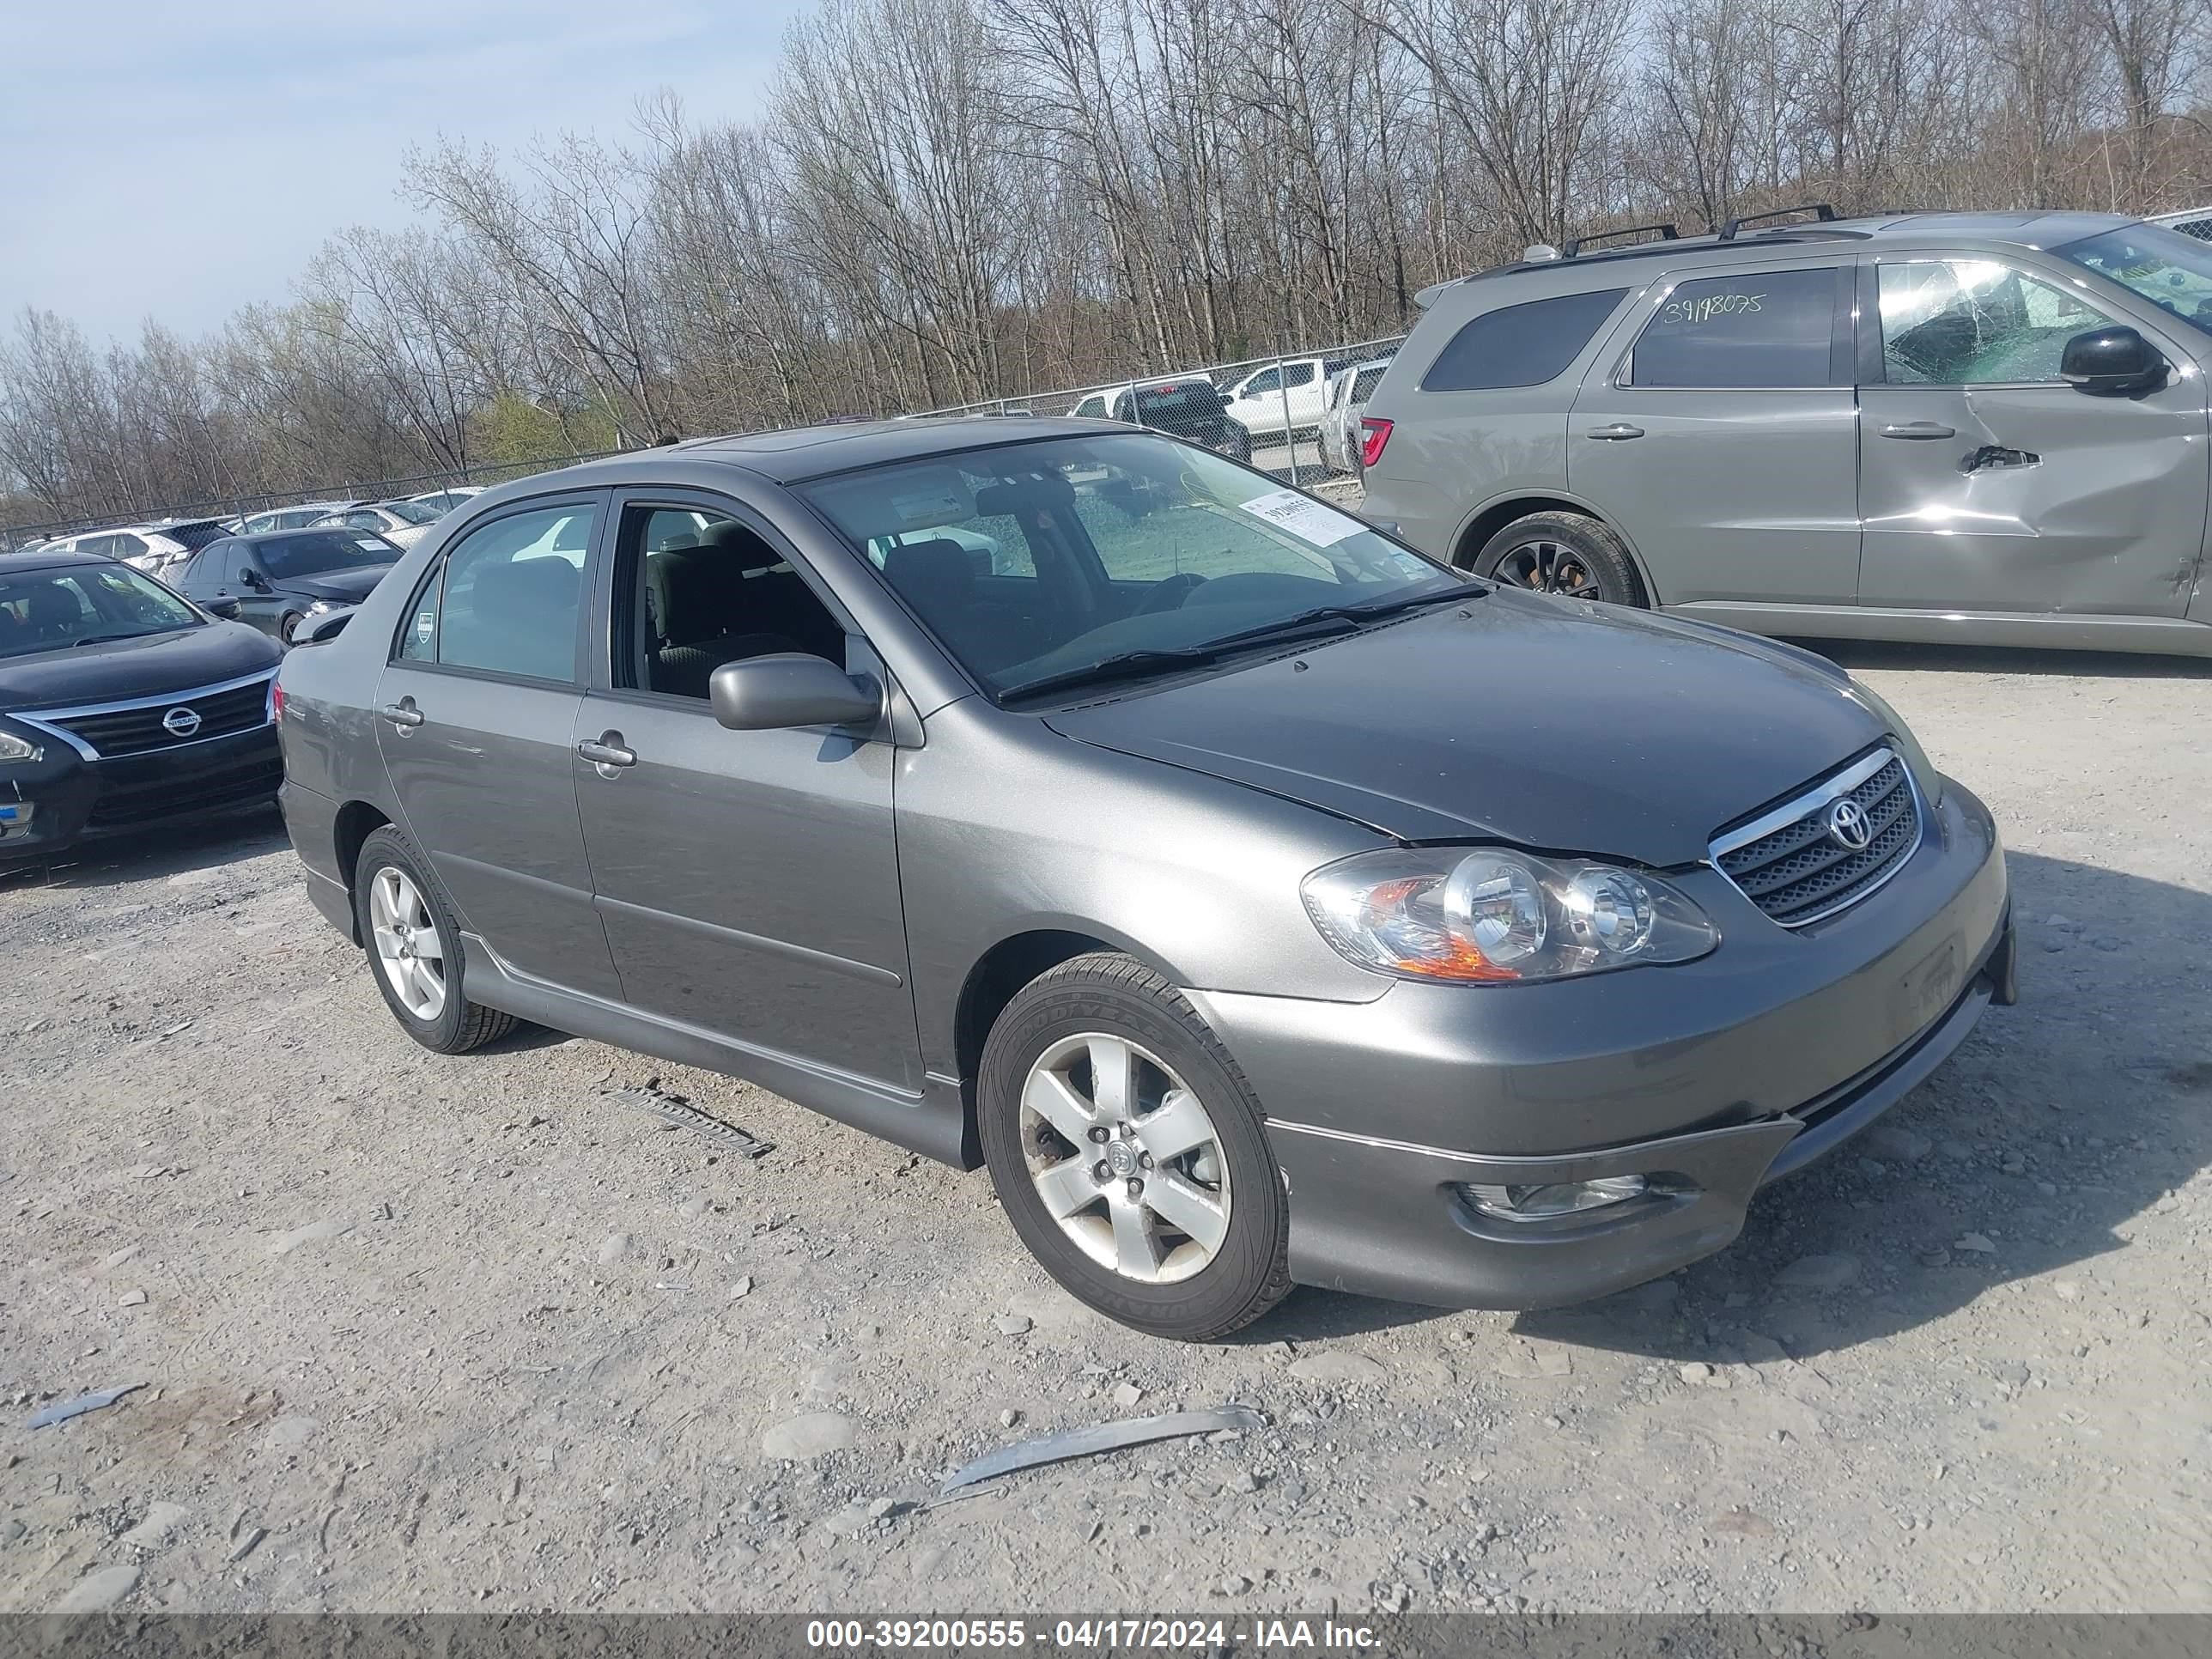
[
  {"x": 2113, "y": 362},
  {"x": 253, "y": 578},
  {"x": 328, "y": 626},
  {"x": 227, "y": 607},
  {"x": 769, "y": 694}
]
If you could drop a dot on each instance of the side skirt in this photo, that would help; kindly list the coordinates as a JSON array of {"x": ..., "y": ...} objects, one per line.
[
  {"x": 933, "y": 1123},
  {"x": 2038, "y": 630}
]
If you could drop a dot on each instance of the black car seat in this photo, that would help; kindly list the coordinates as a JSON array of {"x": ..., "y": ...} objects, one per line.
[{"x": 51, "y": 613}]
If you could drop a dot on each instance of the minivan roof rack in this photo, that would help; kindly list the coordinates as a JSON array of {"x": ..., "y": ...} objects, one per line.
[
  {"x": 1668, "y": 232},
  {"x": 1820, "y": 211}
]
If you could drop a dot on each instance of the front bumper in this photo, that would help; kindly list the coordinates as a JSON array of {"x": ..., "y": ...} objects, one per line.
[
  {"x": 72, "y": 800},
  {"x": 1707, "y": 1078}
]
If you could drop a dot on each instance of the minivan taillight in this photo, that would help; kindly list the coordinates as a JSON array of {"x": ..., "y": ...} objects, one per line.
[{"x": 1374, "y": 433}]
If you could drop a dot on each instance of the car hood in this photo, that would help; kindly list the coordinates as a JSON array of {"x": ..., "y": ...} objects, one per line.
[
  {"x": 1553, "y": 725},
  {"x": 340, "y": 586},
  {"x": 119, "y": 670}
]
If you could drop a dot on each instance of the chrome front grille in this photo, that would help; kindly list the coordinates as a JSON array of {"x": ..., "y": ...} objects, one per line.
[
  {"x": 1804, "y": 860},
  {"x": 144, "y": 726}
]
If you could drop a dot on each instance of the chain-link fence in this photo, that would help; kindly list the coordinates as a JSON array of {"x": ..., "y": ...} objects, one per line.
[
  {"x": 246, "y": 505},
  {"x": 1294, "y": 414}
]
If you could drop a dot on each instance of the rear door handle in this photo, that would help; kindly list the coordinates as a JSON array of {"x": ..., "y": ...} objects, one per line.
[
  {"x": 1618, "y": 432},
  {"x": 608, "y": 750},
  {"x": 403, "y": 713},
  {"x": 1917, "y": 429}
]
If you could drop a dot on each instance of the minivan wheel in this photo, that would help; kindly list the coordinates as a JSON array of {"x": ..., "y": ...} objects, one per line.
[
  {"x": 1566, "y": 553},
  {"x": 415, "y": 948},
  {"x": 1128, "y": 1152}
]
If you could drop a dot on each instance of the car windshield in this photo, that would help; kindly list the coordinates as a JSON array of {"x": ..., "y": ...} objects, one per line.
[
  {"x": 48, "y": 609},
  {"x": 1042, "y": 565},
  {"x": 312, "y": 552},
  {"x": 412, "y": 512},
  {"x": 2170, "y": 270}
]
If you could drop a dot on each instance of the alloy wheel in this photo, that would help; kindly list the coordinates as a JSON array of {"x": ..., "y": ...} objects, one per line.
[
  {"x": 1550, "y": 567},
  {"x": 1125, "y": 1158},
  {"x": 406, "y": 941}
]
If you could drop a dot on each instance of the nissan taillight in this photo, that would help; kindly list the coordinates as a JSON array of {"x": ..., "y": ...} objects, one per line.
[{"x": 1374, "y": 433}]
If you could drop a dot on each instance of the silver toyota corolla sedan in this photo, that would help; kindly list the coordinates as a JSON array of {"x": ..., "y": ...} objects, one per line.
[{"x": 1262, "y": 902}]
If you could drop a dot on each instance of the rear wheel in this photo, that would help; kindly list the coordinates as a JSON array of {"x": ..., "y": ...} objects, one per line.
[
  {"x": 1127, "y": 1150},
  {"x": 415, "y": 948},
  {"x": 1566, "y": 553}
]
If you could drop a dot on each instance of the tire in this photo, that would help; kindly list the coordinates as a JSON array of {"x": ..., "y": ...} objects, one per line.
[
  {"x": 454, "y": 1025},
  {"x": 1189, "y": 1285},
  {"x": 1568, "y": 553},
  {"x": 286, "y": 626}
]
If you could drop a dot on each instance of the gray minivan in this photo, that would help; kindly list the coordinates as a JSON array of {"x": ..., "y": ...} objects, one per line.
[{"x": 1925, "y": 425}]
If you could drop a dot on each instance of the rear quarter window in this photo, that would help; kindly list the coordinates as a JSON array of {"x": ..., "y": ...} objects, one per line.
[{"x": 1529, "y": 344}]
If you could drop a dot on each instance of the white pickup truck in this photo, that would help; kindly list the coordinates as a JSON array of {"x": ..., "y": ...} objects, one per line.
[{"x": 1292, "y": 393}]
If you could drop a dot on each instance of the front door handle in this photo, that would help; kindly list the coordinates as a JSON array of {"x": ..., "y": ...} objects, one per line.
[
  {"x": 403, "y": 713},
  {"x": 608, "y": 750},
  {"x": 1618, "y": 432},
  {"x": 1917, "y": 429}
]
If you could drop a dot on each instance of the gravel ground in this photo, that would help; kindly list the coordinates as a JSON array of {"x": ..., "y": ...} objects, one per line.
[{"x": 425, "y": 1333}]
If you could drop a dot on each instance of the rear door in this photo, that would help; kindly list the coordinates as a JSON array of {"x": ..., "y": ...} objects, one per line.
[
  {"x": 748, "y": 880},
  {"x": 1989, "y": 483},
  {"x": 476, "y": 719},
  {"x": 1718, "y": 430}
]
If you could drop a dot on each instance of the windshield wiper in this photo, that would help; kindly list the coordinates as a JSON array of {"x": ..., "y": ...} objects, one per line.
[
  {"x": 1123, "y": 665},
  {"x": 1349, "y": 615}
]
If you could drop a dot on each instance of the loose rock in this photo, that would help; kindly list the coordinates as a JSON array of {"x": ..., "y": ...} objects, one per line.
[
  {"x": 815, "y": 1434},
  {"x": 98, "y": 1590},
  {"x": 1336, "y": 1367}
]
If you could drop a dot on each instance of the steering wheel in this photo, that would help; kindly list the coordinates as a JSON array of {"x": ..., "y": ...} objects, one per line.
[{"x": 1170, "y": 594}]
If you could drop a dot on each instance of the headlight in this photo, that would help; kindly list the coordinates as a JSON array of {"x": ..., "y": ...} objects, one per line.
[
  {"x": 13, "y": 748},
  {"x": 1490, "y": 916},
  {"x": 319, "y": 607},
  {"x": 1930, "y": 779}
]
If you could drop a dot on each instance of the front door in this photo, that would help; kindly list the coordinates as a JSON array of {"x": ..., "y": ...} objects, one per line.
[
  {"x": 1717, "y": 431},
  {"x": 748, "y": 880},
  {"x": 1988, "y": 483},
  {"x": 476, "y": 718}
]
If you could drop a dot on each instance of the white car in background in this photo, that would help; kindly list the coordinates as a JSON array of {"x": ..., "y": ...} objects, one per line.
[
  {"x": 1349, "y": 389},
  {"x": 297, "y": 517},
  {"x": 1292, "y": 393},
  {"x": 401, "y": 523},
  {"x": 445, "y": 500},
  {"x": 158, "y": 549}
]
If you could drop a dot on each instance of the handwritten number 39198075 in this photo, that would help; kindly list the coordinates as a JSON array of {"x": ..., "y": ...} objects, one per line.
[{"x": 1709, "y": 307}]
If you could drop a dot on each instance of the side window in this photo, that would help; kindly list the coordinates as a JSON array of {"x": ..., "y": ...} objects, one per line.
[
  {"x": 1093, "y": 407},
  {"x": 510, "y": 597},
  {"x": 1773, "y": 328},
  {"x": 126, "y": 547},
  {"x": 1975, "y": 322},
  {"x": 708, "y": 589},
  {"x": 1268, "y": 379},
  {"x": 1297, "y": 373},
  {"x": 1527, "y": 345}
]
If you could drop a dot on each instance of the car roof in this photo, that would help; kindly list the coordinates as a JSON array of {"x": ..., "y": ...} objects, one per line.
[
  {"x": 794, "y": 455},
  {"x": 297, "y": 530},
  {"x": 15, "y": 564},
  {"x": 1906, "y": 226}
]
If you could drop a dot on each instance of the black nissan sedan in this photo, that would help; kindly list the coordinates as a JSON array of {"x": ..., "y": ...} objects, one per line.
[
  {"x": 123, "y": 706},
  {"x": 284, "y": 578}
]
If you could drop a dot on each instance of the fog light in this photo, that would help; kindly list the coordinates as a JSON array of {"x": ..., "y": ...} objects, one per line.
[{"x": 1542, "y": 1203}]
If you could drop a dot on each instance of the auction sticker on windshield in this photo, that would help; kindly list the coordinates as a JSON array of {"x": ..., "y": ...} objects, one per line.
[{"x": 1303, "y": 517}]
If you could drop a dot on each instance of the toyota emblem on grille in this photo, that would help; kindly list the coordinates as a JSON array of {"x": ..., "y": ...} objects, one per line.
[
  {"x": 1849, "y": 827},
  {"x": 183, "y": 722}
]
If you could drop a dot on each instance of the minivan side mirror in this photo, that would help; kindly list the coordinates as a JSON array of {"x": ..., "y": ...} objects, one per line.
[
  {"x": 2115, "y": 361},
  {"x": 227, "y": 606},
  {"x": 789, "y": 689}
]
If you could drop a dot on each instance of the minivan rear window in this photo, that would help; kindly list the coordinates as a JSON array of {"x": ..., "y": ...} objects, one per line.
[{"x": 1521, "y": 346}]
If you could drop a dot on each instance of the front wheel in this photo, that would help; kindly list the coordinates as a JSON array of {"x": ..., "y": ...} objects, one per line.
[
  {"x": 1566, "y": 553},
  {"x": 415, "y": 948},
  {"x": 1127, "y": 1150}
]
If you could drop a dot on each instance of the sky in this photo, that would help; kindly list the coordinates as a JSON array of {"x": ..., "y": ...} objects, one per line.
[{"x": 180, "y": 160}]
